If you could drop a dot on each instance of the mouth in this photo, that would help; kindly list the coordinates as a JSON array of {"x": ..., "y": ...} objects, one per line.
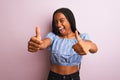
[{"x": 61, "y": 29}]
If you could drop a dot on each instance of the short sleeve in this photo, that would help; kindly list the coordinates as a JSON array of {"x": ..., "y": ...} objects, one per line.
[
  {"x": 51, "y": 36},
  {"x": 84, "y": 36}
]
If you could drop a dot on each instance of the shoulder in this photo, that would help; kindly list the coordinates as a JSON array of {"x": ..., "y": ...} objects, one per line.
[
  {"x": 51, "y": 35},
  {"x": 84, "y": 36}
]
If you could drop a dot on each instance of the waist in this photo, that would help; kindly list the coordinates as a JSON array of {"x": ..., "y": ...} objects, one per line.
[
  {"x": 74, "y": 76},
  {"x": 64, "y": 70}
]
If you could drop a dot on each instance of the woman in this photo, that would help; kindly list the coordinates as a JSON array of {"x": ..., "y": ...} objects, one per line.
[{"x": 66, "y": 44}]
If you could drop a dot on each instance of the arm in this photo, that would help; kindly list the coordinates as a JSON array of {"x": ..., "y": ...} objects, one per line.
[
  {"x": 93, "y": 46},
  {"x": 45, "y": 43},
  {"x": 84, "y": 46}
]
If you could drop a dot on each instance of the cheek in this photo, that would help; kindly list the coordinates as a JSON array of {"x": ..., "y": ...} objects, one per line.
[
  {"x": 66, "y": 23},
  {"x": 68, "y": 26}
]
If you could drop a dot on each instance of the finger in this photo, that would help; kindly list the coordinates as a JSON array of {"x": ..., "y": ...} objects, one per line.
[
  {"x": 33, "y": 48},
  {"x": 33, "y": 44},
  {"x": 77, "y": 36},
  {"x": 79, "y": 51},
  {"x": 38, "y": 35},
  {"x": 35, "y": 40}
]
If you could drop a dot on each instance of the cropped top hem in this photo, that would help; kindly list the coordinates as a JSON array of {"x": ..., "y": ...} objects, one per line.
[{"x": 66, "y": 64}]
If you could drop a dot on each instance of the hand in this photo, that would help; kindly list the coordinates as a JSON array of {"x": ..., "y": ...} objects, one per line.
[
  {"x": 81, "y": 46},
  {"x": 34, "y": 44}
]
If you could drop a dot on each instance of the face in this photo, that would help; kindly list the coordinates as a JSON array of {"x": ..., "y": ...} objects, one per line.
[{"x": 62, "y": 24}]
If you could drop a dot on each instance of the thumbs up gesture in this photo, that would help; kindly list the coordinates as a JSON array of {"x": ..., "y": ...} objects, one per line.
[
  {"x": 81, "y": 47},
  {"x": 34, "y": 44}
]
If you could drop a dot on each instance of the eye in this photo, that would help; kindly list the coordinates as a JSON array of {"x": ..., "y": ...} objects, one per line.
[
  {"x": 62, "y": 20},
  {"x": 56, "y": 21}
]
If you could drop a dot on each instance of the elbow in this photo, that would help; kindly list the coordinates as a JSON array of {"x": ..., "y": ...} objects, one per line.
[{"x": 94, "y": 49}]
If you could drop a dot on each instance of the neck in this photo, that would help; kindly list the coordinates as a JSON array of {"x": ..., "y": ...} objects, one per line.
[{"x": 69, "y": 35}]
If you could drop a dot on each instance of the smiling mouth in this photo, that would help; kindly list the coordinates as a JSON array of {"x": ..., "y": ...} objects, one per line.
[{"x": 61, "y": 29}]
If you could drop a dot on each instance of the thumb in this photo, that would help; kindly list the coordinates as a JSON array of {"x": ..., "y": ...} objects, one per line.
[
  {"x": 77, "y": 36},
  {"x": 38, "y": 35}
]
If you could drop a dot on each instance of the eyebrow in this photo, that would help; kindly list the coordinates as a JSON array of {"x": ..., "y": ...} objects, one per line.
[{"x": 61, "y": 19}]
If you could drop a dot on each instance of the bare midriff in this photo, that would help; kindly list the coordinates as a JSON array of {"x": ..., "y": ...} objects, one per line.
[{"x": 64, "y": 70}]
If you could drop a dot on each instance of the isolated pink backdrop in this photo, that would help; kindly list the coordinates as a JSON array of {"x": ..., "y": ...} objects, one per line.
[{"x": 18, "y": 18}]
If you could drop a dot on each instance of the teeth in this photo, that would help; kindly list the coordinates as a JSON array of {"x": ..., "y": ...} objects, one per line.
[{"x": 61, "y": 28}]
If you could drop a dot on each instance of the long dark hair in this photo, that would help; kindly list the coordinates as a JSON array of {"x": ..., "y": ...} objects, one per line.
[{"x": 70, "y": 17}]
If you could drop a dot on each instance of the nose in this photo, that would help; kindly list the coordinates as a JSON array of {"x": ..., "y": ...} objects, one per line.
[{"x": 58, "y": 24}]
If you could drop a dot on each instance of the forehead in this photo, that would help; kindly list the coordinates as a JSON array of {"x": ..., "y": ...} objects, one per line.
[{"x": 59, "y": 15}]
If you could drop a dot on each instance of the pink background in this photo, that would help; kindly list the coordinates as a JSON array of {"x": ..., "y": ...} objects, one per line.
[{"x": 18, "y": 18}]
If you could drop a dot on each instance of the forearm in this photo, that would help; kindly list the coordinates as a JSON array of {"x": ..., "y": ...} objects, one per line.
[
  {"x": 45, "y": 43},
  {"x": 93, "y": 46}
]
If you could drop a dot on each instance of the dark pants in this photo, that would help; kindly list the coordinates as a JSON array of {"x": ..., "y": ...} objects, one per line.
[{"x": 56, "y": 76}]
